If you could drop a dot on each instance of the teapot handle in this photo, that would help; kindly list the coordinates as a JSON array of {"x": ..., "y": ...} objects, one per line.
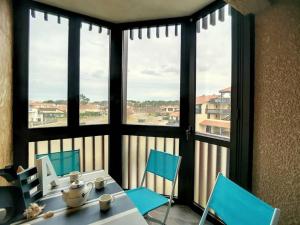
[{"x": 91, "y": 184}]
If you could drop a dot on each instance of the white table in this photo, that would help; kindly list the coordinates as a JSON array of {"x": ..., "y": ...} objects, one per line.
[{"x": 122, "y": 212}]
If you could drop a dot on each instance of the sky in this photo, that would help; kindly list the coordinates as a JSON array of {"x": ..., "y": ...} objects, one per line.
[{"x": 153, "y": 64}]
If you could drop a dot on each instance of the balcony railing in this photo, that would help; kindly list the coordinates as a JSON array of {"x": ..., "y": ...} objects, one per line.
[
  {"x": 135, "y": 153},
  {"x": 220, "y": 101},
  {"x": 219, "y": 111},
  {"x": 209, "y": 161},
  {"x": 93, "y": 150}
]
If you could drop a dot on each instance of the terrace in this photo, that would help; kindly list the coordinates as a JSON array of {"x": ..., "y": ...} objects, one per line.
[{"x": 215, "y": 82}]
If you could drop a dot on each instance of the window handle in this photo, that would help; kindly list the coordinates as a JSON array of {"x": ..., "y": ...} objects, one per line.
[{"x": 188, "y": 132}]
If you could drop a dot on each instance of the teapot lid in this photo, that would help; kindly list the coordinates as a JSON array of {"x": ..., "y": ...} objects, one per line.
[{"x": 77, "y": 184}]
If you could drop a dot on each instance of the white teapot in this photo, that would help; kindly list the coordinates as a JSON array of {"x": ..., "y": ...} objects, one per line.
[{"x": 77, "y": 194}]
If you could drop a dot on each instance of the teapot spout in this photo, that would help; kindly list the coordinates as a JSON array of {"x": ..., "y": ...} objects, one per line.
[{"x": 65, "y": 193}]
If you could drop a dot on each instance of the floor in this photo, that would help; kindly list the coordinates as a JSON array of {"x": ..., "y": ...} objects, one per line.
[{"x": 179, "y": 215}]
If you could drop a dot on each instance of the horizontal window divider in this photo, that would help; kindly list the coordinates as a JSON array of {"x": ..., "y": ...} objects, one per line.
[
  {"x": 210, "y": 139},
  {"x": 65, "y": 13},
  {"x": 51, "y": 133},
  {"x": 153, "y": 131}
]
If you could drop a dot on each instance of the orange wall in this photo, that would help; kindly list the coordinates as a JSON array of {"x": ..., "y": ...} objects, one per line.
[
  {"x": 276, "y": 156},
  {"x": 5, "y": 82}
]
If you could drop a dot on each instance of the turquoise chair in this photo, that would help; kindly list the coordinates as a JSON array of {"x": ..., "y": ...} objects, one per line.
[
  {"x": 236, "y": 206},
  {"x": 64, "y": 162},
  {"x": 161, "y": 164}
]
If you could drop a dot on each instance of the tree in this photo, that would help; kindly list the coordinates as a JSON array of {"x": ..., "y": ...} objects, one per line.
[{"x": 83, "y": 99}]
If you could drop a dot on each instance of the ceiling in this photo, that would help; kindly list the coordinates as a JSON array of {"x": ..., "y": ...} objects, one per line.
[{"x": 120, "y": 11}]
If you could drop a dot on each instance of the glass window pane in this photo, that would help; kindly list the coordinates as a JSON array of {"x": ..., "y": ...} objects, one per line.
[
  {"x": 48, "y": 71},
  {"x": 213, "y": 101},
  {"x": 94, "y": 75},
  {"x": 153, "y": 78}
]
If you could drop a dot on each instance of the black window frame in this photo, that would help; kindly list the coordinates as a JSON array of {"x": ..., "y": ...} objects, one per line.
[{"x": 240, "y": 143}]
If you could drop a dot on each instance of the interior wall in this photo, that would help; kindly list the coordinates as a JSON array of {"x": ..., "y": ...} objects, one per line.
[
  {"x": 276, "y": 156},
  {"x": 5, "y": 82}
]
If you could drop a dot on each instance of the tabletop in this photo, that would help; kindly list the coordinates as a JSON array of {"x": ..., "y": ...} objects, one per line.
[{"x": 122, "y": 211}]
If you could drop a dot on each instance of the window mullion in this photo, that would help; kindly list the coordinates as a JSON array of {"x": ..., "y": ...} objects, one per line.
[{"x": 73, "y": 72}]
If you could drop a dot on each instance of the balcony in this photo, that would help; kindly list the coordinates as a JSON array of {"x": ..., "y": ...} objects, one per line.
[
  {"x": 219, "y": 100},
  {"x": 114, "y": 87},
  {"x": 219, "y": 111}
]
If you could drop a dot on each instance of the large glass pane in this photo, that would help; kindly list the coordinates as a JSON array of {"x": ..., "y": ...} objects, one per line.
[
  {"x": 153, "y": 78},
  {"x": 94, "y": 74},
  {"x": 213, "y": 101},
  {"x": 48, "y": 71}
]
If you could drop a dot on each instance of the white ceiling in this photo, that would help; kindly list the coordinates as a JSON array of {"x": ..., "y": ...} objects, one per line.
[{"x": 119, "y": 11}]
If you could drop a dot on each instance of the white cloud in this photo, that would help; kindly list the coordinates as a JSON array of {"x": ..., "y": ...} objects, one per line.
[{"x": 153, "y": 64}]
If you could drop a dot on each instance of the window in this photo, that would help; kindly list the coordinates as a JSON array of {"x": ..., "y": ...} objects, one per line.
[
  {"x": 213, "y": 81},
  {"x": 153, "y": 78},
  {"x": 94, "y": 75},
  {"x": 48, "y": 71}
]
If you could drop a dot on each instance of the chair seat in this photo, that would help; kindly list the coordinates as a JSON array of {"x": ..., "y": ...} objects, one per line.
[{"x": 146, "y": 200}]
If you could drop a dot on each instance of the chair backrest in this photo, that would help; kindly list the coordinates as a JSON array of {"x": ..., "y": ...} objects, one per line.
[
  {"x": 29, "y": 183},
  {"x": 234, "y": 205},
  {"x": 163, "y": 164},
  {"x": 64, "y": 162}
]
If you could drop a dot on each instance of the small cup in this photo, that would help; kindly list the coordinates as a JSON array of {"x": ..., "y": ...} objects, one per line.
[
  {"x": 105, "y": 202},
  {"x": 74, "y": 176},
  {"x": 100, "y": 183}
]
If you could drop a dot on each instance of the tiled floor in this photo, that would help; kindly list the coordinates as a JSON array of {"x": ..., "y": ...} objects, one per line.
[{"x": 179, "y": 215}]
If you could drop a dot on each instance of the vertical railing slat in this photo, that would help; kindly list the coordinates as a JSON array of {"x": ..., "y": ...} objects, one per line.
[
  {"x": 129, "y": 161},
  {"x": 35, "y": 147},
  {"x": 61, "y": 150},
  {"x": 219, "y": 161},
  {"x": 137, "y": 160},
  {"x": 155, "y": 147},
  {"x": 83, "y": 153},
  {"x": 94, "y": 151},
  {"x": 49, "y": 146},
  {"x": 209, "y": 162},
  {"x": 103, "y": 151},
  {"x": 164, "y": 181},
  {"x": 200, "y": 171},
  {"x": 146, "y": 158}
]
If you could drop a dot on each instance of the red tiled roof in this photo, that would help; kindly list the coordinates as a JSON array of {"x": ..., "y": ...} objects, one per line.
[
  {"x": 204, "y": 98},
  {"x": 225, "y": 90},
  {"x": 216, "y": 123},
  {"x": 175, "y": 114}
]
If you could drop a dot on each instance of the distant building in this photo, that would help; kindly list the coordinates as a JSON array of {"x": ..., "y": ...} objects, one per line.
[
  {"x": 34, "y": 116},
  {"x": 170, "y": 108},
  {"x": 51, "y": 113},
  {"x": 213, "y": 113}
]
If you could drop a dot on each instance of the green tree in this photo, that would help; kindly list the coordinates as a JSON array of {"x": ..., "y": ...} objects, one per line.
[{"x": 83, "y": 99}]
